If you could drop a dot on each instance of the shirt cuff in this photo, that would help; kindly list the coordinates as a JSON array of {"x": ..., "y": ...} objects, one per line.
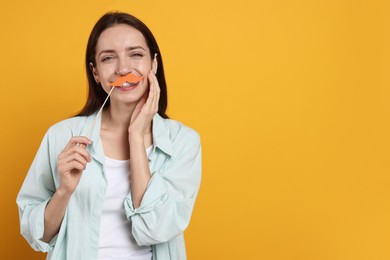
[{"x": 38, "y": 227}]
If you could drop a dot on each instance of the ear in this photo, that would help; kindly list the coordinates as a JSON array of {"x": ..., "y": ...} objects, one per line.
[
  {"x": 94, "y": 72},
  {"x": 154, "y": 64}
]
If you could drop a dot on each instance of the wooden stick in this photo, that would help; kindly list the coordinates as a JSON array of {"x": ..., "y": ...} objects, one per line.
[{"x": 94, "y": 121}]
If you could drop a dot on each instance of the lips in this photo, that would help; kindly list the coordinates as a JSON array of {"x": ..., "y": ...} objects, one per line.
[
  {"x": 126, "y": 81},
  {"x": 127, "y": 86}
]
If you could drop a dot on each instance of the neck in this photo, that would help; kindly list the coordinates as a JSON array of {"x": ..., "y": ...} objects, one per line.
[{"x": 117, "y": 116}]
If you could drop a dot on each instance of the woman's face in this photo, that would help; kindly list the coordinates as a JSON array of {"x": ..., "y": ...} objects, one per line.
[{"x": 121, "y": 50}]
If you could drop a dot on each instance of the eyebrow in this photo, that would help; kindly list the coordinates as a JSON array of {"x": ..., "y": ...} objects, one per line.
[{"x": 128, "y": 49}]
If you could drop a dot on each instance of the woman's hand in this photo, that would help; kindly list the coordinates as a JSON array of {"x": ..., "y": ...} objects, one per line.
[
  {"x": 146, "y": 108},
  {"x": 139, "y": 133},
  {"x": 71, "y": 163}
]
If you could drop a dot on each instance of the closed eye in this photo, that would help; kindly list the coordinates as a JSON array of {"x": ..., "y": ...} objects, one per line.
[
  {"x": 107, "y": 58},
  {"x": 137, "y": 55}
]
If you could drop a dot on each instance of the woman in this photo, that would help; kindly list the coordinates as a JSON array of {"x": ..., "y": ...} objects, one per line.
[{"x": 126, "y": 188}]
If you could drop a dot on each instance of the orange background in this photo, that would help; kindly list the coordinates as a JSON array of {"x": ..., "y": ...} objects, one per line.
[{"x": 292, "y": 107}]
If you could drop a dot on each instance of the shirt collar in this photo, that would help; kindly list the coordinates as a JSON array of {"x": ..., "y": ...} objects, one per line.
[
  {"x": 96, "y": 148},
  {"x": 161, "y": 135}
]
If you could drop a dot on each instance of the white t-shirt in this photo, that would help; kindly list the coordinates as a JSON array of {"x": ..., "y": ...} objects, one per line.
[{"x": 115, "y": 240}]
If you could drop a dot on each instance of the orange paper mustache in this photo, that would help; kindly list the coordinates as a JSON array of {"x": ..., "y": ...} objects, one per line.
[{"x": 131, "y": 78}]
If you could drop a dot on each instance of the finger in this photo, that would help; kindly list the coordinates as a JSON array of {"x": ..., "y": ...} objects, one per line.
[
  {"x": 69, "y": 154},
  {"x": 78, "y": 140},
  {"x": 155, "y": 81},
  {"x": 67, "y": 168},
  {"x": 151, "y": 97},
  {"x": 81, "y": 145},
  {"x": 83, "y": 152},
  {"x": 78, "y": 164},
  {"x": 76, "y": 157},
  {"x": 156, "y": 92},
  {"x": 78, "y": 148}
]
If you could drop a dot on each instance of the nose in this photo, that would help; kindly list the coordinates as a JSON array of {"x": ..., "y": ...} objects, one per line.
[{"x": 124, "y": 67}]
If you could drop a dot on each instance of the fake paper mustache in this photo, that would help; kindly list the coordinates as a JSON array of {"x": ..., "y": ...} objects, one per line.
[{"x": 130, "y": 78}]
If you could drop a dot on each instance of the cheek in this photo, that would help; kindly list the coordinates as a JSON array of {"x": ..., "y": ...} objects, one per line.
[
  {"x": 105, "y": 70},
  {"x": 144, "y": 67}
]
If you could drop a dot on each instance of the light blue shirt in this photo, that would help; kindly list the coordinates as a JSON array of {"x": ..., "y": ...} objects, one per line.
[{"x": 165, "y": 210}]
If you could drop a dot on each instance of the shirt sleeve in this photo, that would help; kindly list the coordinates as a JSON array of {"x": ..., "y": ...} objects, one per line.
[
  {"x": 167, "y": 205},
  {"x": 37, "y": 189}
]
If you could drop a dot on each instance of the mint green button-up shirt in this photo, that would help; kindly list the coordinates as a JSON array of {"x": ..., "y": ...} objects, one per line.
[{"x": 165, "y": 210}]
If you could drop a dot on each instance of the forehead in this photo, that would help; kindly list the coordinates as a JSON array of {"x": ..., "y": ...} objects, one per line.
[{"x": 120, "y": 36}]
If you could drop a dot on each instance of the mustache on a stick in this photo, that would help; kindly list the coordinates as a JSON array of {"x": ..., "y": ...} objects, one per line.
[{"x": 131, "y": 78}]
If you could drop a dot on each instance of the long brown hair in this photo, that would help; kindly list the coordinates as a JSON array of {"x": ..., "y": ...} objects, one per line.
[{"x": 96, "y": 94}]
